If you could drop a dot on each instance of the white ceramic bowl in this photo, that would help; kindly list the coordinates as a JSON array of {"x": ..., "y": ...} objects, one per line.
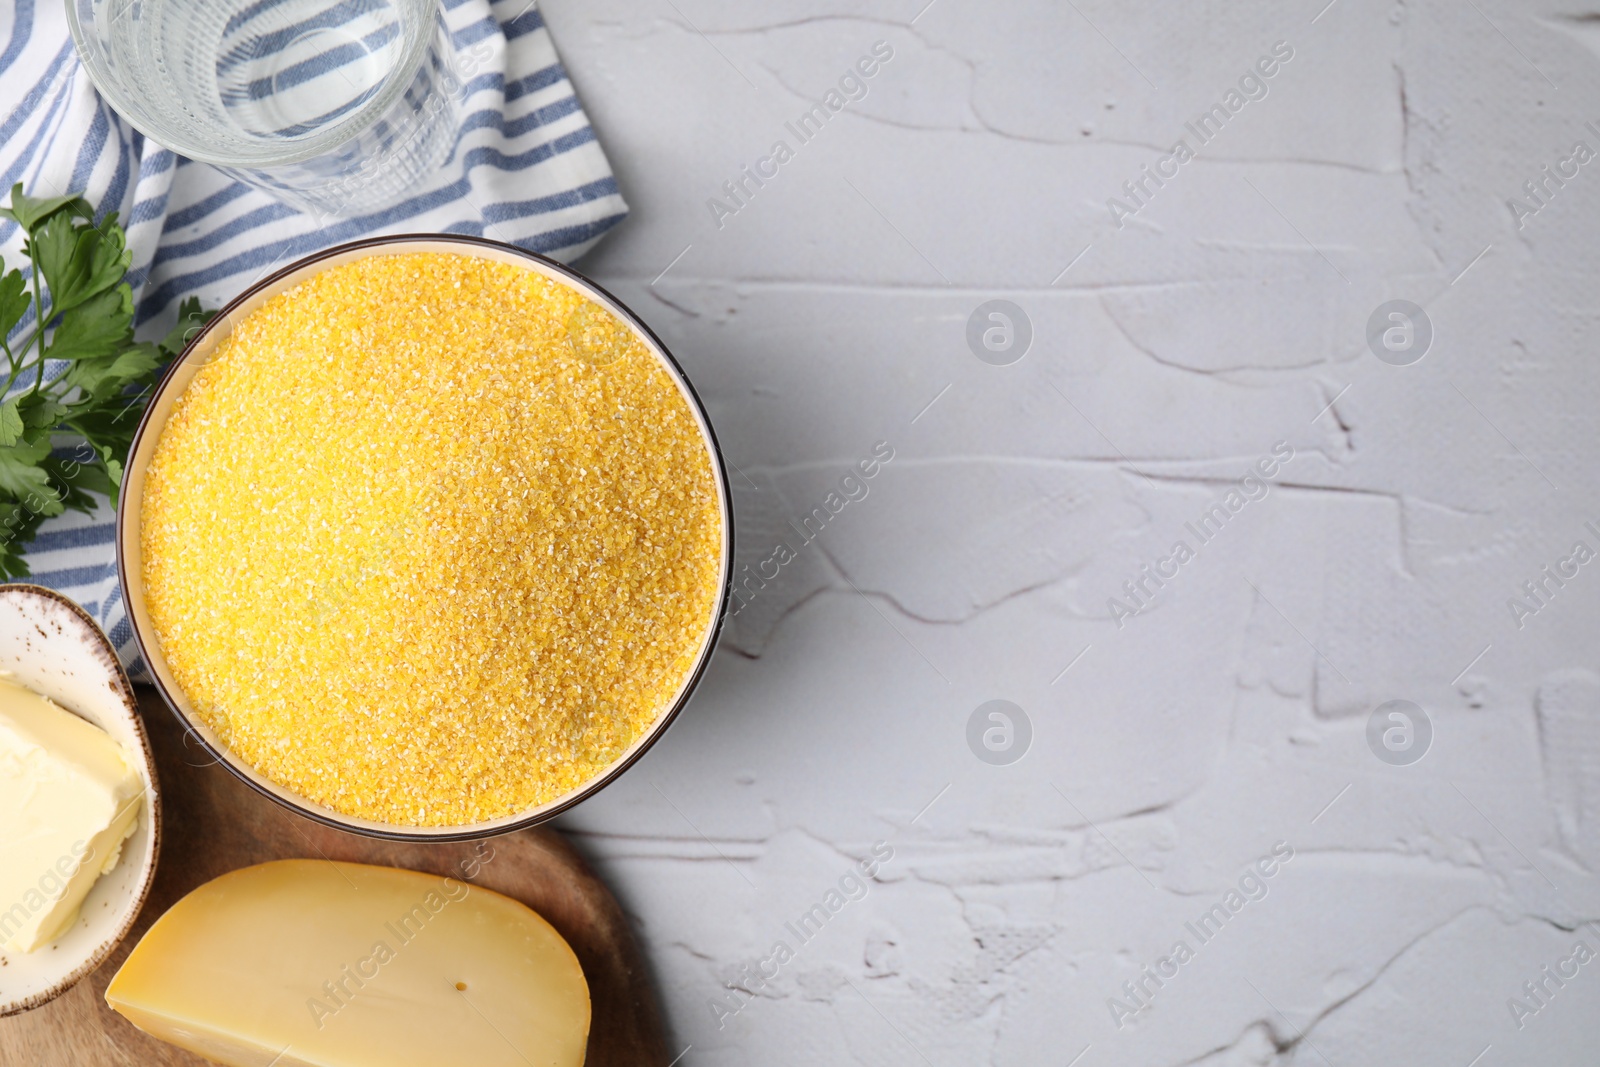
[
  {"x": 199, "y": 352},
  {"x": 52, "y": 646}
]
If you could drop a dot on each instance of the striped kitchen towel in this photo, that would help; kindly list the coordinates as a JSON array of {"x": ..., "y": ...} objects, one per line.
[{"x": 534, "y": 175}]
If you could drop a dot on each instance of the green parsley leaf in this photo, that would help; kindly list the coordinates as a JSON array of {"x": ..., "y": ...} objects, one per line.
[
  {"x": 78, "y": 276},
  {"x": 106, "y": 376},
  {"x": 13, "y": 300},
  {"x": 22, "y": 476},
  {"x": 10, "y": 423},
  {"x": 79, "y": 476},
  {"x": 17, "y": 527},
  {"x": 40, "y": 410},
  {"x": 191, "y": 317},
  {"x": 98, "y": 327},
  {"x": 79, "y": 262},
  {"x": 29, "y": 212}
]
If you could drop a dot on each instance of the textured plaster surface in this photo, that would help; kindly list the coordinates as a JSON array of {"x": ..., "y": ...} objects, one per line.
[{"x": 1172, "y": 749}]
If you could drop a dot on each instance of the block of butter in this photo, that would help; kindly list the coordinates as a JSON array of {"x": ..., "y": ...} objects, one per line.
[
  {"x": 69, "y": 797},
  {"x": 315, "y": 963}
]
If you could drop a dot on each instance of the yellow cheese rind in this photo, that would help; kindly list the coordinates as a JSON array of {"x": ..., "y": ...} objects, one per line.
[
  {"x": 69, "y": 797},
  {"x": 313, "y": 963}
]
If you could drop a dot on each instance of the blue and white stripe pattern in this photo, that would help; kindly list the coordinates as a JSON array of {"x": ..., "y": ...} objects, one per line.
[{"x": 533, "y": 175}]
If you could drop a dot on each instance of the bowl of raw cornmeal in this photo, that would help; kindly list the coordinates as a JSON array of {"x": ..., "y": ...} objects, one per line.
[{"x": 425, "y": 537}]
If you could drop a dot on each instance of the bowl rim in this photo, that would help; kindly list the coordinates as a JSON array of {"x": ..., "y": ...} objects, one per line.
[
  {"x": 126, "y": 513},
  {"x": 130, "y": 702}
]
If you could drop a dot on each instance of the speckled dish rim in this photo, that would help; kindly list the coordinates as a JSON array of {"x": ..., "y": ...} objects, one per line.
[
  {"x": 148, "y": 433},
  {"x": 152, "y": 806}
]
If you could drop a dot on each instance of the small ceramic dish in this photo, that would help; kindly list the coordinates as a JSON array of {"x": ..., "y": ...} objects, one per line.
[
  {"x": 200, "y": 351},
  {"x": 52, "y": 646}
]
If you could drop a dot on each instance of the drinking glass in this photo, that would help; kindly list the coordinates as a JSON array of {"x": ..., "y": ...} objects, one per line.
[{"x": 337, "y": 107}]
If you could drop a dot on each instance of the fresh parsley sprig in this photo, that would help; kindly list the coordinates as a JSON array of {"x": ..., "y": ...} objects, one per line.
[{"x": 83, "y": 314}]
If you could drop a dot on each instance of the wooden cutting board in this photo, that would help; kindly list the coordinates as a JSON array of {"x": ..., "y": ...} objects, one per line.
[{"x": 212, "y": 823}]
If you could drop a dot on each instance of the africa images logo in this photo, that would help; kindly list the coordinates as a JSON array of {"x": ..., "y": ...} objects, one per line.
[{"x": 1399, "y": 333}]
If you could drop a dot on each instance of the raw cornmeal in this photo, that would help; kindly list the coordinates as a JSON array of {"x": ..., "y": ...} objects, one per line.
[{"x": 414, "y": 555}]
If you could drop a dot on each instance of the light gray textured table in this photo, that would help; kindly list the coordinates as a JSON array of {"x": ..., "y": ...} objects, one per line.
[{"x": 1183, "y": 727}]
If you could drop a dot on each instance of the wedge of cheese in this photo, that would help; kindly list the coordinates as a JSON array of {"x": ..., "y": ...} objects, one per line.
[
  {"x": 69, "y": 797},
  {"x": 312, "y": 963}
]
